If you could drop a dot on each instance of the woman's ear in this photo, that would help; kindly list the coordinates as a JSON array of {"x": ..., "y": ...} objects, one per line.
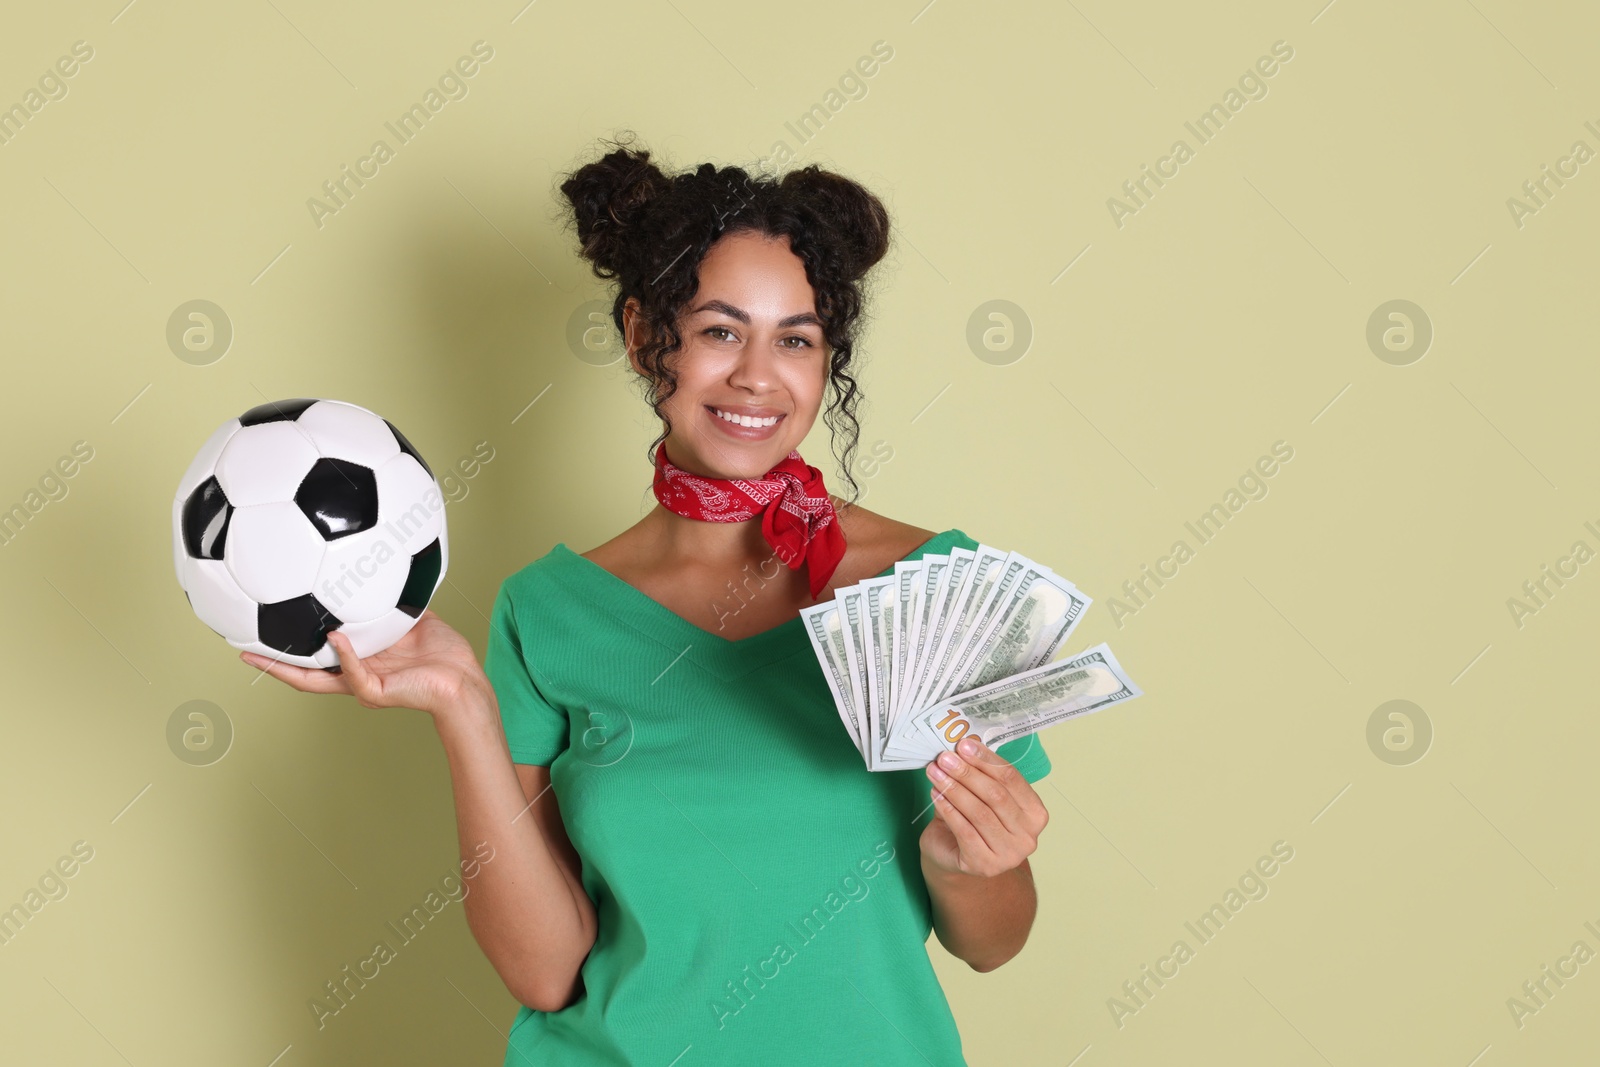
[{"x": 632, "y": 333}]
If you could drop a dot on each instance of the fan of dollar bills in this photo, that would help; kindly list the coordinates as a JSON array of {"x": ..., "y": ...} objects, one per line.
[{"x": 955, "y": 644}]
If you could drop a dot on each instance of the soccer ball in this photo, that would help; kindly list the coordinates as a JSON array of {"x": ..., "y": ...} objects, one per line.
[{"x": 301, "y": 517}]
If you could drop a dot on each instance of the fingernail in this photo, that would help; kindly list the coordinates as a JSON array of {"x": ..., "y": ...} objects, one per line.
[
  {"x": 968, "y": 746},
  {"x": 937, "y": 773},
  {"x": 949, "y": 760}
]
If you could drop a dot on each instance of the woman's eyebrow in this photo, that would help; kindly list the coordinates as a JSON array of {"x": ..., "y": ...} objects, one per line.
[{"x": 804, "y": 318}]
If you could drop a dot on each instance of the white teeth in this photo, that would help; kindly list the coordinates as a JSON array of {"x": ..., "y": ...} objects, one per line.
[{"x": 745, "y": 420}]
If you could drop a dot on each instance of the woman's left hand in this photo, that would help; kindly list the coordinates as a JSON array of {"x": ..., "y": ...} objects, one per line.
[{"x": 987, "y": 817}]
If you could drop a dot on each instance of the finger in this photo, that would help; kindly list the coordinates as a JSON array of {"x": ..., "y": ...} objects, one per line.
[
  {"x": 985, "y": 758},
  {"x": 301, "y": 678},
  {"x": 994, "y": 793},
  {"x": 969, "y": 842},
  {"x": 363, "y": 683},
  {"x": 1032, "y": 806},
  {"x": 975, "y": 808},
  {"x": 1024, "y": 807}
]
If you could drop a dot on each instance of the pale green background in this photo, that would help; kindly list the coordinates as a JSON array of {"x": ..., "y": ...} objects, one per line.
[{"x": 1225, "y": 316}]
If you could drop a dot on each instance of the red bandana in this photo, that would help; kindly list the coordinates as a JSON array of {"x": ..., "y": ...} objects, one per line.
[{"x": 797, "y": 518}]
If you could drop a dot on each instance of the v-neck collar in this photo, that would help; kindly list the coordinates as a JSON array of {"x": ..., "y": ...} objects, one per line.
[{"x": 726, "y": 658}]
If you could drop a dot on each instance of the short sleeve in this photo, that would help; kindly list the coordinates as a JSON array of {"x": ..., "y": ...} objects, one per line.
[
  {"x": 1027, "y": 755},
  {"x": 536, "y": 731}
]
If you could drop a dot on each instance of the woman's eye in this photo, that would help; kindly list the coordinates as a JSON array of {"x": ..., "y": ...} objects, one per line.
[{"x": 799, "y": 342}]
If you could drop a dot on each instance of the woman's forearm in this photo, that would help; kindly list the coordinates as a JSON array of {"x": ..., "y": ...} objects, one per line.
[
  {"x": 529, "y": 914},
  {"x": 983, "y": 921}
]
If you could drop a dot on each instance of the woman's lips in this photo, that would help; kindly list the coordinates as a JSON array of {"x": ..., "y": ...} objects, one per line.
[{"x": 740, "y": 432}]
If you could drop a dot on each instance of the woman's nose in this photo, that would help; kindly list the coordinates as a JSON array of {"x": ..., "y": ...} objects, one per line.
[{"x": 753, "y": 368}]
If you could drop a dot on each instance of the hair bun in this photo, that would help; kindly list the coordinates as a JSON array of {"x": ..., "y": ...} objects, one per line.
[
  {"x": 855, "y": 215},
  {"x": 607, "y": 197}
]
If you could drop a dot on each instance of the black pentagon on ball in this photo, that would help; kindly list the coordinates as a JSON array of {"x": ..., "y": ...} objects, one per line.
[
  {"x": 275, "y": 411},
  {"x": 406, "y": 447},
  {"x": 425, "y": 567},
  {"x": 205, "y": 520},
  {"x": 339, "y": 497},
  {"x": 298, "y": 626}
]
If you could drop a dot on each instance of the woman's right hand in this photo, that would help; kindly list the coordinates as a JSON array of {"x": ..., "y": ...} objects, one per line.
[{"x": 431, "y": 669}]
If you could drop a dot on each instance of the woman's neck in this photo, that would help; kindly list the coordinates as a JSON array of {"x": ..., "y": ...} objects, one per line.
[{"x": 675, "y": 536}]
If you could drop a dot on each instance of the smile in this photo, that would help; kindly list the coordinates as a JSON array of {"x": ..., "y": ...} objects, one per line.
[{"x": 744, "y": 420}]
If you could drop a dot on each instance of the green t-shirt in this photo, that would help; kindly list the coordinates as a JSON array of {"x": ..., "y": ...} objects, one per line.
[{"x": 759, "y": 893}]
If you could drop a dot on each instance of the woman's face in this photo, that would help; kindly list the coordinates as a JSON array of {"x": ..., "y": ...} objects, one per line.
[{"x": 753, "y": 364}]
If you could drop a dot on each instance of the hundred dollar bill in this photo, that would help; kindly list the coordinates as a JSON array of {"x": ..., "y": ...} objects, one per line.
[
  {"x": 877, "y": 607},
  {"x": 1026, "y": 703},
  {"x": 852, "y": 627},
  {"x": 958, "y": 607},
  {"x": 992, "y": 574},
  {"x": 1042, "y": 607},
  {"x": 926, "y": 605},
  {"x": 1053, "y": 638},
  {"x": 1020, "y": 692},
  {"x": 821, "y": 623},
  {"x": 933, "y": 620},
  {"x": 907, "y": 587}
]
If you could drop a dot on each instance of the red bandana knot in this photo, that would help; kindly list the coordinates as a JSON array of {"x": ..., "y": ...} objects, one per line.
[{"x": 797, "y": 517}]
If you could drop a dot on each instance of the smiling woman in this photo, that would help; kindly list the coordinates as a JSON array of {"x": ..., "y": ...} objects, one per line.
[
  {"x": 800, "y": 246},
  {"x": 739, "y": 299},
  {"x": 664, "y": 782}
]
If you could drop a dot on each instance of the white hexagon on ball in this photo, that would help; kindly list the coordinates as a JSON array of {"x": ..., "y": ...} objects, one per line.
[
  {"x": 264, "y": 464},
  {"x": 344, "y": 431},
  {"x": 410, "y": 505},
  {"x": 273, "y": 552},
  {"x": 204, "y": 464},
  {"x": 304, "y": 516},
  {"x": 218, "y": 600}
]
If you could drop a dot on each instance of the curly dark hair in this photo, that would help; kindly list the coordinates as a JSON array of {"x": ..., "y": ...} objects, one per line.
[{"x": 649, "y": 232}]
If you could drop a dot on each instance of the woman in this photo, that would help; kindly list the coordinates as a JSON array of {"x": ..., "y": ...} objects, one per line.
[{"x": 690, "y": 863}]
